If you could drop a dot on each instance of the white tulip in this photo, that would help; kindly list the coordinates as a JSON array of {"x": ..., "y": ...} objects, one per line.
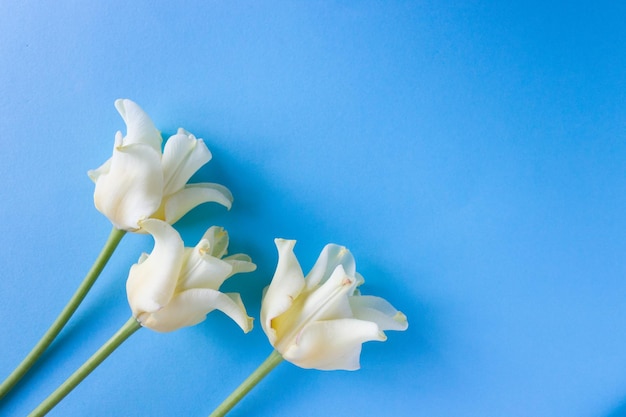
[
  {"x": 321, "y": 321},
  {"x": 174, "y": 286},
  {"x": 140, "y": 182}
]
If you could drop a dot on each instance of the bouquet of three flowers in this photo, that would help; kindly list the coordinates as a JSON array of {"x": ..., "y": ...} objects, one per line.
[{"x": 316, "y": 321}]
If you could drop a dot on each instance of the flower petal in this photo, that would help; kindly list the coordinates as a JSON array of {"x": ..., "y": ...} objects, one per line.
[
  {"x": 203, "y": 266},
  {"x": 183, "y": 155},
  {"x": 103, "y": 169},
  {"x": 241, "y": 263},
  {"x": 328, "y": 302},
  {"x": 286, "y": 285},
  {"x": 332, "y": 255},
  {"x": 379, "y": 311},
  {"x": 236, "y": 310},
  {"x": 181, "y": 202},
  {"x": 214, "y": 241},
  {"x": 202, "y": 270},
  {"x": 333, "y": 344},
  {"x": 132, "y": 188},
  {"x": 191, "y": 307},
  {"x": 151, "y": 284},
  {"x": 139, "y": 126}
]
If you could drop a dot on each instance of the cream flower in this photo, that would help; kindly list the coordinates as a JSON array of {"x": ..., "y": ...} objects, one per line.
[
  {"x": 139, "y": 182},
  {"x": 321, "y": 321},
  {"x": 174, "y": 286}
]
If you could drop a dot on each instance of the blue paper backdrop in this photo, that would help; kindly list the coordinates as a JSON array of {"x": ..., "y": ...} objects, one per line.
[{"x": 472, "y": 157}]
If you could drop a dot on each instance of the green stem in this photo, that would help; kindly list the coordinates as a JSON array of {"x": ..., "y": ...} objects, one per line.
[
  {"x": 81, "y": 373},
  {"x": 265, "y": 368},
  {"x": 54, "y": 330}
]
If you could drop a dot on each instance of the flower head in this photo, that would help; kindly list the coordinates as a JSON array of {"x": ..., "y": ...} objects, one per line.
[
  {"x": 139, "y": 181},
  {"x": 174, "y": 286},
  {"x": 320, "y": 321}
]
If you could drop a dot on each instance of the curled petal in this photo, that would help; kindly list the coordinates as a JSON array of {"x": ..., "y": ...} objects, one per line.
[
  {"x": 359, "y": 279},
  {"x": 132, "y": 188},
  {"x": 333, "y": 344},
  {"x": 214, "y": 242},
  {"x": 181, "y": 202},
  {"x": 151, "y": 283},
  {"x": 183, "y": 155},
  {"x": 191, "y": 307},
  {"x": 332, "y": 256},
  {"x": 286, "y": 285},
  {"x": 330, "y": 301},
  {"x": 240, "y": 263},
  {"x": 103, "y": 169},
  {"x": 139, "y": 126},
  {"x": 379, "y": 311},
  {"x": 204, "y": 271},
  {"x": 233, "y": 307}
]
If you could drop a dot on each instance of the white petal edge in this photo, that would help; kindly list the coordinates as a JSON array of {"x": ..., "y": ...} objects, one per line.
[
  {"x": 379, "y": 311},
  {"x": 331, "y": 256},
  {"x": 190, "y": 307},
  {"x": 204, "y": 271},
  {"x": 241, "y": 263},
  {"x": 286, "y": 285},
  {"x": 139, "y": 126},
  {"x": 214, "y": 241},
  {"x": 132, "y": 188},
  {"x": 332, "y": 345},
  {"x": 180, "y": 203},
  {"x": 103, "y": 169},
  {"x": 151, "y": 284},
  {"x": 183, "y": 155}
]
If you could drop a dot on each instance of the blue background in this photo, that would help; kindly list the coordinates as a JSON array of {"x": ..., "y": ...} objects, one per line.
[{"x": 472, "y": 156}]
